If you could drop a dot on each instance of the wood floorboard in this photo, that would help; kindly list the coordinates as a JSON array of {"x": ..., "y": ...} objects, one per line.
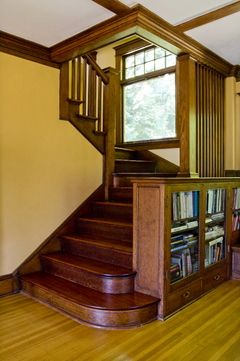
[{"x": 207, "y": 330}]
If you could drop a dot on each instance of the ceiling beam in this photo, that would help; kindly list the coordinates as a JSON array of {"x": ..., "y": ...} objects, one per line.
[
  {"x": 209, "y": 17},
  {"x": 117, "y": 7}
]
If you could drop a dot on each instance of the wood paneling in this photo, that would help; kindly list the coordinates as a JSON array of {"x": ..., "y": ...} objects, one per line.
[
  {"x": 210, "y": 121},
  {"x": 209, "y": 17},
  {"x": 26, "y": 49},
  {"x": 115, "y": 6}
]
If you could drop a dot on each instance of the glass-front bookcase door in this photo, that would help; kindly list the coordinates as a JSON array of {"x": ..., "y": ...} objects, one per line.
[
  {"x": 215, "y": 247},
  {"x": 184, "y": 244},
  {"x": 236, "y": 210}
]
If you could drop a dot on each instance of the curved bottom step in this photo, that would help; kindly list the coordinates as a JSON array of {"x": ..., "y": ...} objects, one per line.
[{"x": 90, "y": 306}]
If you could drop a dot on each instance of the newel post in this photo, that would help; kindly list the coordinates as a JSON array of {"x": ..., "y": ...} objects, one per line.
[
  {"x": 186, "y": 115},
  {"x": 63, "y": 92},
  {"x": 111, "y": 115}
]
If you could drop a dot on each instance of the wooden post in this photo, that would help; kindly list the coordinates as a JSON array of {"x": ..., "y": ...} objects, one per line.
[
  {"x": 186, "y": 115},
  {"x": 64, "y": 91},
  {"x": 110, "y": 116}
]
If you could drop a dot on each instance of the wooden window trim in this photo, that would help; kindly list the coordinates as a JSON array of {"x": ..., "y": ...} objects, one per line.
[{"x": 120, "y": 51}]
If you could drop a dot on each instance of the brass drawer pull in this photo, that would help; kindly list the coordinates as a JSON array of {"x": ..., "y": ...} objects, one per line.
[
  {"x": 186, "y": 294},
  {"x": 216, "y": 277}
]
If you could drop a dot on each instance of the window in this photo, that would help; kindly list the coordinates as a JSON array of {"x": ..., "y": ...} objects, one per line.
[{"x": 149, "y": 95}]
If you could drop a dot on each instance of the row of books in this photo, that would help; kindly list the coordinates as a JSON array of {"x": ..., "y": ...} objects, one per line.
[
  {"x": 183, "y": 241},
  {"x": 236, "y": 198},
  {"x": 213, "y": 232},
  {"x": 215, "y": 200},
  {"x": 183, "y": 264},
  {"x": 214, "y": 251},
  {"x": 236, "y": 220},
  {"x": 185, "y": 225},
  {"x": 185, "y": 205}
]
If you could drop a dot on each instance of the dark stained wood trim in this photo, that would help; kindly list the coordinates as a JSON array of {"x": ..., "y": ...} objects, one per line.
[
  {"x": 157, "y": 144},
  {"x": 209, "y": 17},
  {"x": 117, "y": 7},
  {"x": 8, "y": 285},
  {"x": 142, "y": 22},
  {"x": 25, "y": 49}
]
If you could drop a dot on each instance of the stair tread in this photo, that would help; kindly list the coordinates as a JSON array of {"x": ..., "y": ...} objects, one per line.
[
  {"x": 87, "y": 297},
  {"x": 106, "y": 220},
  {"x": 134, "y": 160},
  {"x": 87, "y": 264},
  {"x": 112, "y": 203},
  {"x": 142, "y": 174},
  {"x": 104, "y": 243}
]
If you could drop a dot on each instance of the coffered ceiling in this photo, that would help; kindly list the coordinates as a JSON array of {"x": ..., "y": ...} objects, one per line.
[{"x": 213, "y": 23}]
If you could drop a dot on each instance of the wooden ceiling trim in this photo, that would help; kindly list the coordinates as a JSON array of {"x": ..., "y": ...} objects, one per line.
[
  {"x": 26, "y": 49},
  {"x": 115, "y": 6},
  {"x": 142, "y": 22},
  {"x": 209, "y": 17}
]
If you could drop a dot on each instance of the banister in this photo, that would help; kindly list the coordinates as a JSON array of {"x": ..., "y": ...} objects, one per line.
[{"x": 98, "y": 70}]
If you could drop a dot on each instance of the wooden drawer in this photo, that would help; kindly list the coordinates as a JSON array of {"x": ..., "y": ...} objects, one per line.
[
  {"x": 183, "y": 296},
  {"x": 213, "y": 277}
]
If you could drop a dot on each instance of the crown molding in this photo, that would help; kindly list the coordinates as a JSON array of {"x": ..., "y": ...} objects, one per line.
[
  {"x": 117, "y": 7},
  {"x": 26, "y": 49},
  {"x": 209, "y": 17},
  {"x": 147, "y": 25}
]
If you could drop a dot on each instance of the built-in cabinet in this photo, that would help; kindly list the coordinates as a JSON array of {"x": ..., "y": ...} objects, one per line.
[{"x": 183, "y": 232}]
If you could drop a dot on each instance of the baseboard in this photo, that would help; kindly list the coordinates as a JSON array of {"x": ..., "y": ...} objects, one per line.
[{"x": 8, "y": 285}]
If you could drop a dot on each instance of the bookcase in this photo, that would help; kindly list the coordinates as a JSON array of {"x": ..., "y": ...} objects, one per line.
[{"x": 183, "y": 232}]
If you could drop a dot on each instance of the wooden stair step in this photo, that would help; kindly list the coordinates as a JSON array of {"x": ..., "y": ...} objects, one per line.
[
  {"x": 90, "y": 306},
  {"x": 107, "y": 228},
  {"x": 125, "y": 153},
  {"x": 123, "y": 194},
  {"x": 101, "y": 276},
  {"x": 121, "y": 211},
  {"x": 118, "y": 253},
  {"x": 134, "y": 165},
  {"x": 124, "y": 179}
]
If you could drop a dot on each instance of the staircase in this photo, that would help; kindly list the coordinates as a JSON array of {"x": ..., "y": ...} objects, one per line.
[{"x": 91, "y": 277}]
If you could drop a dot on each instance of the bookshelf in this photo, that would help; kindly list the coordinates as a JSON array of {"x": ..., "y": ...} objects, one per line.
[{"x": 183, "y": 232}]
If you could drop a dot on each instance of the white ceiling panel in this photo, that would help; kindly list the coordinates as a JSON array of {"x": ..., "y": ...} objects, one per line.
[
  {"x": 48, "y": 22},
  {"x": 221, "y": 36},
  {"x": 177, "y": 11}
]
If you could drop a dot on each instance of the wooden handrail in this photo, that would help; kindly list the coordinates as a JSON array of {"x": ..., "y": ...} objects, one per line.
[{"x": 98, "y": 70}]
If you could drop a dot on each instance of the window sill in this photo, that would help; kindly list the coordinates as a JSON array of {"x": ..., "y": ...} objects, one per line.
[{"x": 151, "y": 144}]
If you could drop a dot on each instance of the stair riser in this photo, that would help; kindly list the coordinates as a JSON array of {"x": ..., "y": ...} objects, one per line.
[
  {"x": 109, "y": 231},
  {"x": 138, "y": 167},
  {"x": 113, "y": 285},
  {"x": 121, "y": 194},
  {"x": 121, "y": 181},
  {"x": 95, "y": 317},
  {"x": 125, "y": 154},
  {"x": 97, "y": 253},
  {"x": 114, "y": 211}
]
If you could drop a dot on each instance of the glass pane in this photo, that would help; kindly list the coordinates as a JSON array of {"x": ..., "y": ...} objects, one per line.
[
  {"x": 129, "y": 61},
  {"x": 139, "y": 58},
  {"x": 215, "y": 226},
  {"x": 129, "y": 73},
  {"x": 159, "y": 53},
  {"x": 160, "y": 64},
  {"x": 170, "y": 60},
  {"x": 236, "y": 210},
  {"x": 149, "y": 67},
  {"x": 149, "y": 109},
  {"x": 139, "y": 70},
  {"x": 184, "y": 245},
  {"x": 149, "y": 55}
]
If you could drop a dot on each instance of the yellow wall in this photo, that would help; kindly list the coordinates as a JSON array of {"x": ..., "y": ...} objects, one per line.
[{"x": 47, "y": 167}]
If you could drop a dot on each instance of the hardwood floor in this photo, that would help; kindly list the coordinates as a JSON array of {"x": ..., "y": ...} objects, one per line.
[{"x": 207, "y": 330}]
